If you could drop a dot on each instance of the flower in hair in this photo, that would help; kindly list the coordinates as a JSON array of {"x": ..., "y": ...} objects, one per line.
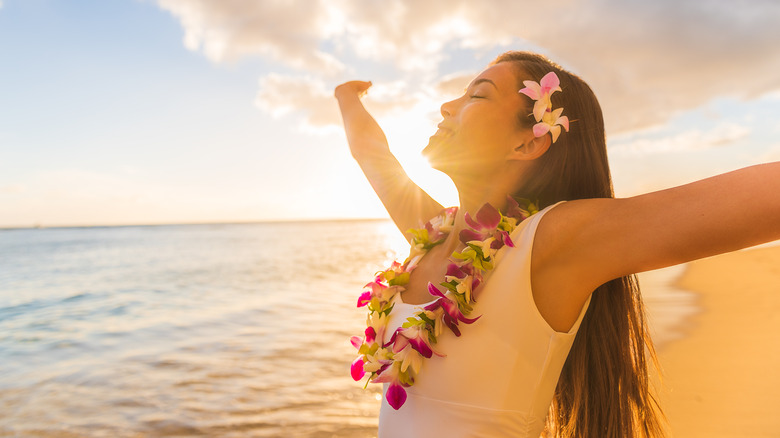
[{"x": 549, "y": 120}]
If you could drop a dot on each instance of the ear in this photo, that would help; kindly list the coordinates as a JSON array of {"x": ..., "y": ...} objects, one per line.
[{"x": 531, "y": 149}]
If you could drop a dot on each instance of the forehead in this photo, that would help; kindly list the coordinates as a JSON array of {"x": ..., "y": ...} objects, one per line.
[{"x": 503, "y": 75}]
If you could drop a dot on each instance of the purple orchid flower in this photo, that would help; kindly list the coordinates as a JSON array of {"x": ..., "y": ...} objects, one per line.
[
  {"x": 513, "y": 210},
  {"x": 452, "y": 313},
  {"x": 484, "y": 227},
  {"x": 414, "y": 336},
  {"x": 462, "y": 271},
  {"x": 396, "y": 395}
]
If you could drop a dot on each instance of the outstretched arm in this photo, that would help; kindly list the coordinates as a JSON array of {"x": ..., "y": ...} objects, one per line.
[
  {"x": 406, "y": 202},
  {"x": 601, "y": 239}
]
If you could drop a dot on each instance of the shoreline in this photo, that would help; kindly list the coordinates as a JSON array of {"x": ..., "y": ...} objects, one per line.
[{"x": 721, "y": 378}]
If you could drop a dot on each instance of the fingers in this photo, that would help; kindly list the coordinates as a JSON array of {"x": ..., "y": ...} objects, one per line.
[{"x": 353, "y": 87}]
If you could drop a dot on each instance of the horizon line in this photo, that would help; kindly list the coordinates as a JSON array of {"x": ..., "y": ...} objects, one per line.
[{"x": 40, "y": 226}]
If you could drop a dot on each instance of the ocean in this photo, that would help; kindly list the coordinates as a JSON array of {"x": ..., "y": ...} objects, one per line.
[{"x": 224, "y": 330}]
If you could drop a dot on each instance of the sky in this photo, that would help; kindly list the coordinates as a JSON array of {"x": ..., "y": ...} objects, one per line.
[{"x": 191, "y": 111}]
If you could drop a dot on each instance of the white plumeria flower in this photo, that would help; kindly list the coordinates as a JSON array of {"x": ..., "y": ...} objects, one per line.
[
  {"x": 435, "y": 316},
  {"x": 449, "y": 220},
  {"x": 377, "y": 360},
  {"x": 409, "y": 357},
  {"x": 464, "y": 287},
  {"x": 484, "y": 245}
]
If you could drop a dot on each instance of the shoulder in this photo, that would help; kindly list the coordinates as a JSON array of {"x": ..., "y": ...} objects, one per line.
[
  {"x": 562, "y": 228},
  {"x": 562, "y": 279}
]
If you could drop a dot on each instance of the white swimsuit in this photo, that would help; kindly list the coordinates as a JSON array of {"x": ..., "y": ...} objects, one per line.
[{"x": 499, "y": 376}]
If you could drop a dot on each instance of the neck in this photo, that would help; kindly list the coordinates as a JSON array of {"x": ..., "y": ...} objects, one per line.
[
  {"x": 472, "y": 199},
  {"x": 473, "y": 196}
]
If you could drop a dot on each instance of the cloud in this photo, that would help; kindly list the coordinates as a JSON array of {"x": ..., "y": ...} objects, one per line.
[
  {"x": 279, "y": 95},
  {"x": 645, "y": 60},
  {"x": 287, "y": 31},
  {"x": 686, "y": 141}
]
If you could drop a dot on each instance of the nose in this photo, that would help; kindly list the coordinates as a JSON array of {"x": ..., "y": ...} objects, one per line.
[{"x": 448, "y": 108}]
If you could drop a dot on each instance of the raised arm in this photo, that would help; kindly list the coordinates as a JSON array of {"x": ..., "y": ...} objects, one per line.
[
  {"x": 406, "y": 202},
  {"x": 596, "y": 240}
]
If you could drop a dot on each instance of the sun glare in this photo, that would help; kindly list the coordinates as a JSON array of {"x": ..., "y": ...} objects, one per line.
[{"x": 408, "y": 134}]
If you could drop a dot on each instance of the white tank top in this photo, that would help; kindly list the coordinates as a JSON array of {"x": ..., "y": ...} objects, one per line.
[{"x": 499, "y": 376}]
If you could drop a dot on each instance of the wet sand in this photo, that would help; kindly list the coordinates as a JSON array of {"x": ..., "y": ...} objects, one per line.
[{"x": 722, "y": 379}]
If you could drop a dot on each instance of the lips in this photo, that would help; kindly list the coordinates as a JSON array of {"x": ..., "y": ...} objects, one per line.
[{"x": 443, "y": 131}]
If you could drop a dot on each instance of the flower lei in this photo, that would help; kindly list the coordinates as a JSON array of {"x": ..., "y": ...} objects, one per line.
[
  {"x": 398, "y": 361},
  {"x": 548, "y": 120}
]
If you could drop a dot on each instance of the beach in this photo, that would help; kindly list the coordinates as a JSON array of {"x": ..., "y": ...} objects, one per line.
[{"x": 722, "y": 378}]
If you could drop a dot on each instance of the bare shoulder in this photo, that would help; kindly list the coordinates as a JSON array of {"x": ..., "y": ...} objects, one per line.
[{"x": 561, "y": 284}]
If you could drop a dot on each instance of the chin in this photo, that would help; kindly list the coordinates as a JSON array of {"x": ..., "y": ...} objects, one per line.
[
  {"x": 433, "y": 160},
  {"x": 433, "y": 151}
]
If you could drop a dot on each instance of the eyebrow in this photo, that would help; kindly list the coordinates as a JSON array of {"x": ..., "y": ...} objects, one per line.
[{"x": 479, "y": 81}]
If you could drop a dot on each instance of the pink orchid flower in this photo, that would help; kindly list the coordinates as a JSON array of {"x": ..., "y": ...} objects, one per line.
[
  {"x": 440, "y": 226},
  {"x": 357, "y": 369},
  {"x": 548, "y": 120},
  {"x": 452, "y": 313},
  {"x": 552, "y": 122},
  {"x": 376, "y": 290},
  {"x": 541, "y": 92}
]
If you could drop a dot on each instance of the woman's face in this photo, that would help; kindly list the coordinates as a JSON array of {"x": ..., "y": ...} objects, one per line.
[{"x": 480, "y": 128}]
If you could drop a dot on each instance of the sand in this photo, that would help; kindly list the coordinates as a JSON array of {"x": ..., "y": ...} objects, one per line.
[{"x": 723, "y": 378}]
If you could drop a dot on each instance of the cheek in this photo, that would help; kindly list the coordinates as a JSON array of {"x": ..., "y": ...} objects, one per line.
[{"x": 490, "y": 139}]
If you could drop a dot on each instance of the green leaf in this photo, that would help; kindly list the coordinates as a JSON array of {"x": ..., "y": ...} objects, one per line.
[
  {"x": 451, "y": 285},
  {"x": 399, "y": 280},
  {"x": 426, "y": 319}
]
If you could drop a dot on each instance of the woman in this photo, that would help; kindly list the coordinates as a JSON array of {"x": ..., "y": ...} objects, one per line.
[{"x": 556, "y": 332}]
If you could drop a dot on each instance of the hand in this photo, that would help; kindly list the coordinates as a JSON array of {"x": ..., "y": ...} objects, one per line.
[{"x": 358, "y": 88}]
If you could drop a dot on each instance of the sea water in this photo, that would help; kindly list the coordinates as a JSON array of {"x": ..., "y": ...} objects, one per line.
[{"x": 229, "y": 330}]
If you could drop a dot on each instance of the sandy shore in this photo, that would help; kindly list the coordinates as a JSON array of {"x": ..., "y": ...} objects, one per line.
[{"x": 723, "y": 378}]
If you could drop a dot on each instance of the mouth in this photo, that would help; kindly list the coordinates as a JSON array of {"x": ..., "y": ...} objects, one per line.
[{"x": 443, "y": 131}]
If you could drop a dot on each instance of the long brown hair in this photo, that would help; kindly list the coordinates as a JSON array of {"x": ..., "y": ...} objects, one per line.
[{"x": 604, "y": 388}]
